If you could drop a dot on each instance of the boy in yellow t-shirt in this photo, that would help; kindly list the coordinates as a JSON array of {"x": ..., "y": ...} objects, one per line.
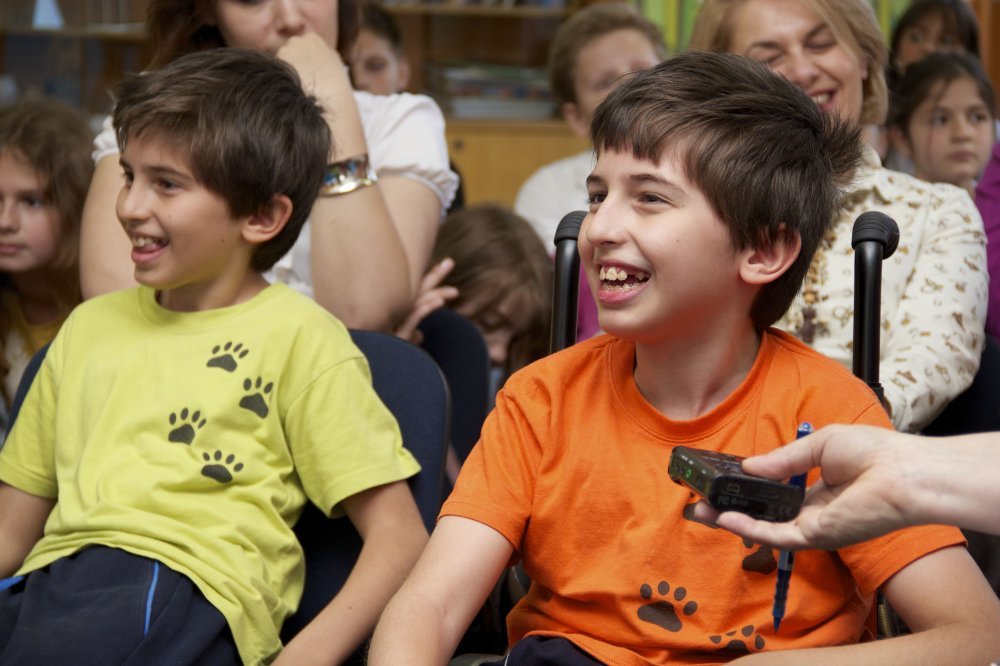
[
  {"x": 174, "y": 431},
  {"x": 715, "y": 181}
]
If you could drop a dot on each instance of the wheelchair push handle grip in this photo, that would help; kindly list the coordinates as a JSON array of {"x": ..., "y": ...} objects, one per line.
[
  {"x": 878, "y": 227},
  {"x": 569, "y": 226},
  {"x": 566, "y": 282}
]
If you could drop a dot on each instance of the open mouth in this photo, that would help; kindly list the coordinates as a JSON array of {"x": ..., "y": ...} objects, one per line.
[{"x": 617, "y": 278}]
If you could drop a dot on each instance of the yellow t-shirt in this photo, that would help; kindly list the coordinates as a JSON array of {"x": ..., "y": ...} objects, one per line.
[{"x": 196, "y": 438}]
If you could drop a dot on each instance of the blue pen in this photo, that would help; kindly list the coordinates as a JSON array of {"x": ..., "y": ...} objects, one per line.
[{"x": 787, "y": 557}]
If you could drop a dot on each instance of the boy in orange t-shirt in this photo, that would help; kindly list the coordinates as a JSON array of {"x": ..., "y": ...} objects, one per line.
[{"x": 715, "y": 181}]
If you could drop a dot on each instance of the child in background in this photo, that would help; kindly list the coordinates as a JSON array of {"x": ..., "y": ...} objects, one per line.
[
  {"x": 503, "y": 279},
  {"x": 942, "y": 117},
  {"x": 175, "y": 430},
  {"x": 591, "y": 53},
  {"x": 698, "y": 238},
  {"x": 927, "y": 26},
  {"x": 931, "y": 26},
  {"x": 45, "y": 170},
  {"x": 497, "y": 274},
  {"x": 377, "y": 63},
  {"x": 378, "y": 66}
]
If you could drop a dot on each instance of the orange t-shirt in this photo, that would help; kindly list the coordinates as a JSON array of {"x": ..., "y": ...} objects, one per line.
[{"x": 572, "y": 470}]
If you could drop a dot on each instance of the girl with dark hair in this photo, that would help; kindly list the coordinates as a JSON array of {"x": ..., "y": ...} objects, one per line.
[{"x": 942, "y": 118}]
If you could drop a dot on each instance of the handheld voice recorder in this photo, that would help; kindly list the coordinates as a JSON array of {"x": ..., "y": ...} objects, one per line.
[{"x": 720, "y": 479}]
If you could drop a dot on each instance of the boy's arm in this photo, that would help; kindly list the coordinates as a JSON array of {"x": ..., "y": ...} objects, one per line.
[
  {"x": 426, "y": 619},
  {"x": 104, "y": 250},
  {"x": 22, "y": 519},
  {"x": 393, "y": 533},
  {"x": 945, "y": 601}
]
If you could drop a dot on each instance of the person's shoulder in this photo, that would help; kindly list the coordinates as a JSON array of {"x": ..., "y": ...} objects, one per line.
[
  {"x": 389, "y": 109},
  {"x": 898, "y": 186},
  {"x": 294, "y": 310},
  {"x": 557, "y": 371},
  {"x": 808, "y": 374}
]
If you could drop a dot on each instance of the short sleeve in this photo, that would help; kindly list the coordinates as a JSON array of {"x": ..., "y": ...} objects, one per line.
[
  {"x": 342, "y": 438},
  {"x": 405, "y": 136},
  {"x": 105, "y": 143},
  {"x": 497, "y": 481}
]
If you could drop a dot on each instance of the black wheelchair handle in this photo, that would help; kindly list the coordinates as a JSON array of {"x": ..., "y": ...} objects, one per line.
[
  {"x": 569, "y": 226},
  {"x": 879, "y": 227}
]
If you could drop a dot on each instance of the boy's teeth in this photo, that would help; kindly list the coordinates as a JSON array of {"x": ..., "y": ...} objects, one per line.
[
  {"x": 143, "y": 241},
  {"x": 613, "y": 274}
]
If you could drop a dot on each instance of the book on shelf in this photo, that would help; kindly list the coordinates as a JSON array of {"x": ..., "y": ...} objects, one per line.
[{"x": 481, "y": 90}]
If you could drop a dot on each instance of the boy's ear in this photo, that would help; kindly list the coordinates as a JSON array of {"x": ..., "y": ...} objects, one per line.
[
  {"x": 268, "y": 222},
  {"x": 900, "y": 142},
  {"x": 767, "y": 263},
  {"x": 576, "y": 123}
]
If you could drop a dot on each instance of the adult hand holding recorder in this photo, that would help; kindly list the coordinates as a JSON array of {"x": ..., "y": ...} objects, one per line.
[{"x": 874, "y": 481}]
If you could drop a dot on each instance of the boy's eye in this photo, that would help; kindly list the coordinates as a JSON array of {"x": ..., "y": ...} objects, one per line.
[
  {"x": 915, "y": 36},
  {"x": 33, "y": 201},
  {"x": 649, "y": 197},
  {"x": 165, "y": 184},
  {"x": 595, "y": 198},
  {"x": 938, "y": 119},
  {"x": 979, "y": 117}
]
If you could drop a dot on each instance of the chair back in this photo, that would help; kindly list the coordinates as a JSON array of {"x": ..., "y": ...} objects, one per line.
[
  {"x": 411, "y": 385},
  {"x": 459, "y": 349}
]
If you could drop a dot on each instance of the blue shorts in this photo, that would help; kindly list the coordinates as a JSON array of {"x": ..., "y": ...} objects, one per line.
[
  {"x": 545, "y": 651},
  {"x": 106, "y": 606}
]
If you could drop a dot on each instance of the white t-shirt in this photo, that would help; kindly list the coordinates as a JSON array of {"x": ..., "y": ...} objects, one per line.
[
  {"x": 552, "y": 191},
  {"x": 405, "y": 137}
]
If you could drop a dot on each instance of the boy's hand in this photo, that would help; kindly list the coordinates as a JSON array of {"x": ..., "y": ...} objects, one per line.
[
  {"x": 863, "y": 492},
  {"x": 429, "y": 298}
]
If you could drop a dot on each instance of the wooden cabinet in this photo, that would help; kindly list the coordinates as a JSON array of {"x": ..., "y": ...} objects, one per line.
[{"x": 495, "y": 157}]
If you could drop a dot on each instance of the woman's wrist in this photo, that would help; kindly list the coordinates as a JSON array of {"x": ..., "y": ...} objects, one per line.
[{"x": 346, "y": 176}]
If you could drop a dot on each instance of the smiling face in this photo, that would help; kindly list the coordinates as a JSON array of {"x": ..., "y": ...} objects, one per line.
[
  {"x": 185, "y": 242},
  {"x": 951, "y": 134},
  {"x": 265, "y": 25},
  {"x": 598, "y": 69},
  {"x": 795, "y": 42},
  {"x": 29, "y": 222},
  {"x": 658, "y": 258}
]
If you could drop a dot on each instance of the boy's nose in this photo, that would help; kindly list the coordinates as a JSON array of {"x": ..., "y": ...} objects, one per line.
[
  {"x": 9, "y": 218},
  {"x": 288, "y": 17},
  {"x": 131, "y": 206},
  {"x": 602, "y": 226}
]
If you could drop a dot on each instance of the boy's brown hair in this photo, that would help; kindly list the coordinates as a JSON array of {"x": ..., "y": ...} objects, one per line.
[
  {"x": 498, "y": 256},
  {"x": 55, "y": 141},
  {"x": 768, "y": 160},
  {"x": 179, "y": 27},
  {"x": 246, "y": 127},
  {"x": 585, "y": 26}
]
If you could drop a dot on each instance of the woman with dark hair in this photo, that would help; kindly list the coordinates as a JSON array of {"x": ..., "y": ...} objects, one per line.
[{"x": 373, "y": 226}]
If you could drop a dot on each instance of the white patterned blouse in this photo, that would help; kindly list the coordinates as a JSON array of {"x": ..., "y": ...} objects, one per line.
[{"x": 934, "y": 291}]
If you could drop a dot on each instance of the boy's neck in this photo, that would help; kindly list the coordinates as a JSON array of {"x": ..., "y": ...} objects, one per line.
[
  {"x": 223, "y": 294},
  {"x": 684, "y": 379}
]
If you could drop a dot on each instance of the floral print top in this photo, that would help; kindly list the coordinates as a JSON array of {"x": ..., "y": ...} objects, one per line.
[{"x": 934, "y": 291}]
